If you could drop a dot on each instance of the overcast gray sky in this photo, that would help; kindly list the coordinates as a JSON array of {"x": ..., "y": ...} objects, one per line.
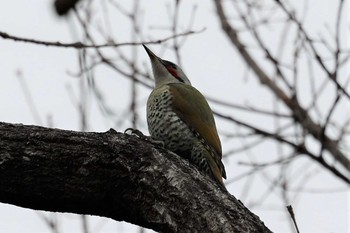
[{"x": 212, "y": 65}]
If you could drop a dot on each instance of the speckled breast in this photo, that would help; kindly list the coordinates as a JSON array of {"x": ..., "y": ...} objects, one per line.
[{"x": 164, "y": 124}]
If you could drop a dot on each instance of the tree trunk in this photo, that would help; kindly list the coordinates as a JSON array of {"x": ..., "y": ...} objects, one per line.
[{"x": 114, "y": 175}]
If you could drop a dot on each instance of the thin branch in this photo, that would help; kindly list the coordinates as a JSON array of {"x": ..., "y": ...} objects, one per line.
[
  {"x": 174, "y": 29},
  {"x": 300, "y": 114},
  {"x": 81, "y": 45},
  {"x": 330, "y": 112},
  {"x": 104, "y": 59},
  {"x": 29, "y": 98},
  {"x": 313, "y": 49},
  {"x": 337, "y": 38},
  {"x": 275, "y": 62},
  {"x": 299, "y": 148},
  {"x": 52, "y": 222},
  {"x": 291, "y": 213},
  {"x": 249, "y": 108}
]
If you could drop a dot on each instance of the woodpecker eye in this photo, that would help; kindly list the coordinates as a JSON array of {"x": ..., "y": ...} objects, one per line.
[
  {"x": 172, "y": 68},
  {"x": 169, "y": 64}
]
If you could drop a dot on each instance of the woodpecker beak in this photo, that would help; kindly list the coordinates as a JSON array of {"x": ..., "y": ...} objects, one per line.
[{"x": 151, "y": 55}]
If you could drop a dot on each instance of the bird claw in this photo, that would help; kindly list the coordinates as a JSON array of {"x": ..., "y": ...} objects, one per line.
[
  {"x": 134, "y": 132},
  {"x": 140, "y": 135}
]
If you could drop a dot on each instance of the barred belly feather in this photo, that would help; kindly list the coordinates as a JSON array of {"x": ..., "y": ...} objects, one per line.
[{"x": 163, "y": 123}]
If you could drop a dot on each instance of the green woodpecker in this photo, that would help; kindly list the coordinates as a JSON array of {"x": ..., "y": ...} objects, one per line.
[{"x": 180, "y": 117}]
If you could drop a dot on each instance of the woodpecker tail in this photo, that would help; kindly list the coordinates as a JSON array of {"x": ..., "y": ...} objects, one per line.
[{"x": 206, "y": 162}]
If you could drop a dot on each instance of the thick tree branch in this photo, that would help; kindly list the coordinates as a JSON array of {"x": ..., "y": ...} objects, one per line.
[{"x": 114, "y": 175}]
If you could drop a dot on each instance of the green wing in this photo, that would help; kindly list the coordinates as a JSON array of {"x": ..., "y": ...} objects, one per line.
[{"x": 191, "y": 106}]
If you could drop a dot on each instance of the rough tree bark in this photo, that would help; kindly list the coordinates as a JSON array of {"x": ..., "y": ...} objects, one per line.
[{"x": 114, "y": 175}]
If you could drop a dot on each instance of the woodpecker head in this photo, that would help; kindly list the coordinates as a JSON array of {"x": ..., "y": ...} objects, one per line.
[{"x": 165, "y": 71}]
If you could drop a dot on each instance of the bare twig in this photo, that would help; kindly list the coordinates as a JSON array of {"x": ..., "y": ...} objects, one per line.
[
  {"x": 300, "y": 114},
  {"x": 291, "y": 213},
  {"x": 81, "y": 45},
  {"x": 331, "y": 75},
  {"x": 51, "y": 222},
  {"x": 29, "y": 98},
  {"x": 249, "y": 108},
  {"x": 299, "y": 148}
]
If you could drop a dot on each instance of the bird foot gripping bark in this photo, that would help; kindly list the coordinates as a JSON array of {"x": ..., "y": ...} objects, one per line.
[{"x": 140, "y": 135}]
